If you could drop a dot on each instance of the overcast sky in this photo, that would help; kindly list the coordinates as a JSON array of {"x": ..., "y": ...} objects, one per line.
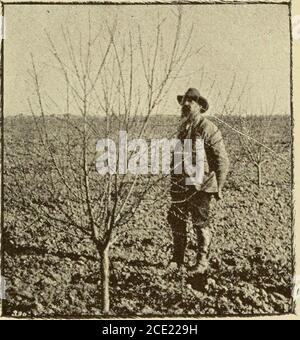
[{"x": 251, "y": 41}]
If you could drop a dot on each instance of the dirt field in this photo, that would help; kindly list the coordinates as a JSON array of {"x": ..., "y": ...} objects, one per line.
[{"x": 54, "y": 271}]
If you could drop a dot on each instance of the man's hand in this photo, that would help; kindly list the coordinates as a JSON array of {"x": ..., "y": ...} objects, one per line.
[{"x": 219, "y": 195}]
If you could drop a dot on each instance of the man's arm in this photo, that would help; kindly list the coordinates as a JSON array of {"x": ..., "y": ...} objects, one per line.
[
  {"x": 220, "y": 161},
  {"x": 216, "y": 153}
]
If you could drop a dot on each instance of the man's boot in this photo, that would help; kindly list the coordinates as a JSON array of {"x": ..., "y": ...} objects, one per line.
[
  {"x": 202, "y": 264},
  {"x": 180, "y": 241},
  {"x": 204, "y": 240}
]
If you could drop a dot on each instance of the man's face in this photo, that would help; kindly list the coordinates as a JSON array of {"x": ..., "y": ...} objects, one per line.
[{"x": 190, "y": 108}]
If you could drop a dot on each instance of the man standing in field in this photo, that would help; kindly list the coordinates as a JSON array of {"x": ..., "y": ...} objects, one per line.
[{"x": 195, "y": 200}]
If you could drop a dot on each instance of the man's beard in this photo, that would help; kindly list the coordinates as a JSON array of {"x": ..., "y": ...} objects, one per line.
[
  {"x": 185, "y": 112},
  {"x": 189, "y": 114}
]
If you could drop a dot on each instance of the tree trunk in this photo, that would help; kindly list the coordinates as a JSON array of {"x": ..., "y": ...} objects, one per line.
[
  {"x": 105, "y": 274},
  {"x": 259, "y": 175}
]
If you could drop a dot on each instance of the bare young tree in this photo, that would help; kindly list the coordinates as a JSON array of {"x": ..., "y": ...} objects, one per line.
[
  {"x": 112, "y": 85},
  {"x": 256, "y": 143}
]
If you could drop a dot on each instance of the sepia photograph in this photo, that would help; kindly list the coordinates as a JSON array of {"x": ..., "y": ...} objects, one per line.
[{"x": 147, "y": 160}]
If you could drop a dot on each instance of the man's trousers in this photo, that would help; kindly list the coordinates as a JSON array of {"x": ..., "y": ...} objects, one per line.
[{"x": 196, "y": 204}]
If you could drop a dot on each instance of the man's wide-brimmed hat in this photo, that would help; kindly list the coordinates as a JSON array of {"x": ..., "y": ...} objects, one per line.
[{"x": 194, "y": 94}]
